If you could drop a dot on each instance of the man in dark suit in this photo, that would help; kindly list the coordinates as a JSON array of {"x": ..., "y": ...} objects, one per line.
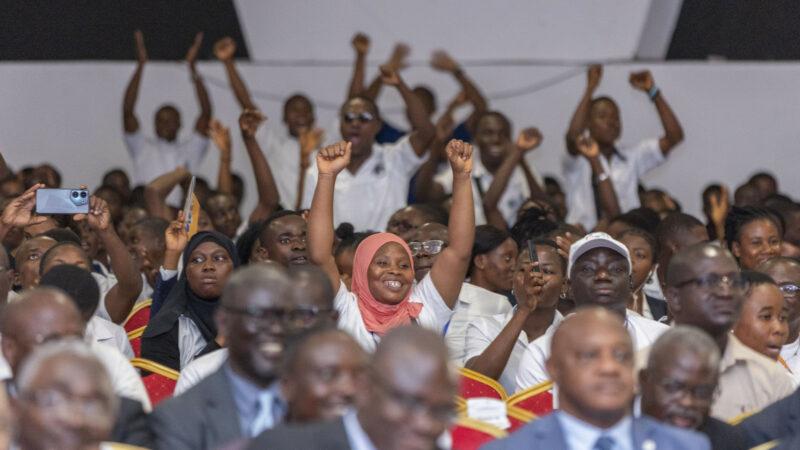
[
  {"x": 407, "y": 403},
  {"x": 678, "y": 385},
  {"x": 781, "y": 420},
  {"x": 592, "y": 364},
  {"x": 242, "y": 398}
]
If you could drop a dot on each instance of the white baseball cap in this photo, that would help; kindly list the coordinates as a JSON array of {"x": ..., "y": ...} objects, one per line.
[{"x": 596, "y": 240}]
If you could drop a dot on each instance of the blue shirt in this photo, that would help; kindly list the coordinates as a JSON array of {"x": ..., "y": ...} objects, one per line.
[
  {"x": 246, "y": 395},
  {"x": 582, "y": 436},
  {"x": 356, "y": 435}
]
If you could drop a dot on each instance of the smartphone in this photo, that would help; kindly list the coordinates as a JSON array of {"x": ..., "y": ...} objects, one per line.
[
  {"x": 533, "y": 255},
  {"x": 62, "y": 201}
]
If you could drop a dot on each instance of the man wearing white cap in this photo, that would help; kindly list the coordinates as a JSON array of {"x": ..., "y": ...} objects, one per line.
[{"x": 599, "y": 271}]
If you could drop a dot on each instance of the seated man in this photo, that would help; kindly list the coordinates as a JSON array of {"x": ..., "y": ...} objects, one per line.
[
  {"x": 242, "y": 398},
  {"x": 705, "y": 289},
  {"x": 599, "y": 270},
  {"x": 408, "y": 378},
  {"x": 65, "y": 399},
  {"x": 679, "y": 382},
  {"x": 592, "y": 363}
]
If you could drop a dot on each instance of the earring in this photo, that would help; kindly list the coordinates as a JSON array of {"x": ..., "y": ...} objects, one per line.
[{"x": 563, "y": 296}]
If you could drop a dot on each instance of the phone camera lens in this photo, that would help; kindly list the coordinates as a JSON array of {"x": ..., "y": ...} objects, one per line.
[
  {"x": 83, "y": 194},
  {"x": 74, "y": 194}
]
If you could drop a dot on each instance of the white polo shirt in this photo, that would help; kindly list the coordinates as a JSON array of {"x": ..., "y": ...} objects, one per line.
[
  {"x": 625, "y": 169},
  {"x": 531, "y": 368},
  {"x": 380, "y": 187},
  {"x": 282, "y": 152},
  {"x": 200, "y": 368},
  {"x": 791, "y": 355},
  {"x": 484, "y": 330},
  {"x": 108, "y": 333},
  {"x": 153, "y": 157},
  {"x": 434, "y": 314},
  {"x": 473, "y": 302},
  {"x": 517, "y": 190}
]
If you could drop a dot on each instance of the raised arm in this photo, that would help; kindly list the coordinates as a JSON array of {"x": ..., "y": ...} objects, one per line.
[
  {"x": 580, "y": 118},
  {"x": 450, "y": 268},
  {"x": 330, "y": 161},
  {"x": 309, "y": 141},
  {"x": 444, "y": 62},
  {"x": 156, "y": 192},
  {"x": 268, "y": 197},
  {"x": 224, "y": 50},
  {"x": 427, "y": 190},
  {"x": 609, "y": 204},
  {"x": 120, "y": 299},
  {"x": 397, "y": 61},
  {"x": 221, "y": 136},
  {"x": 201, "y": 125},
  {"x": 495, "y": 357},
  {"x": 422, "y": 129},
  {"x": 361, "y": 46},
  {"x": 129, "y": 121},
  {"x": 19, "y": 212},
  {"x": 673, "y": 132},
  {"x": 529, "y": 139}
]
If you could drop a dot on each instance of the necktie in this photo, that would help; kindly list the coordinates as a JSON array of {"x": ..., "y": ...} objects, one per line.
[
  {"x": 264, "y": 419},
  {"x": 604, "y": 443}
]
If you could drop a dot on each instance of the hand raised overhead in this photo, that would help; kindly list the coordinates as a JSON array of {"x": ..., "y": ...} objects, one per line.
[
  {"x": 141, "y": 50},
  {"x": 221, "y": 136},
  {"x": 191, "y": 54},
  {"x": 529, "y": 139},
  {"x": 360, "y": 43},
  {"x": 642, "y": 80},
  {"x": 588, "y": 147},
  {"x": 440, "y": 60},
  {"x": 593, "y": 75},
  {"x": 460, "y": 155},
  {"x": 334, "y": 158},
  {"x": 224, "y": 49},
  {"x": 249, "y": 121}
]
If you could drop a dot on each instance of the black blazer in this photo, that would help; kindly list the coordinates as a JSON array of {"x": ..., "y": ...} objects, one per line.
[
  {"x": 777, "y": 421},
  {"x": 131, "y": 426},
  {"x": 316, "y": 436},
  {"x": 723, "y": 436}
]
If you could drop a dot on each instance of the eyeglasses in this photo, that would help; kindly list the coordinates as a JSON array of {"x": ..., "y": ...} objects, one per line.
[
  {"x": 790, "y": 289},
  {"x": 64, "y": 403},
  {"x": 430, "y": 247},
  {"x": 712, "y": 281},
  {"x": 408, "y": 404},
  {"x": 363, "y": 117},
  {"x": 676, "y": 388},
  {"x": 257, "y": 319}
]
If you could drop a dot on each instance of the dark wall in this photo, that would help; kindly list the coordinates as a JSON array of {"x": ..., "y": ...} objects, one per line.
[
  {"x": 103, "y": 29},
  {"x": 737, "y": 30}
]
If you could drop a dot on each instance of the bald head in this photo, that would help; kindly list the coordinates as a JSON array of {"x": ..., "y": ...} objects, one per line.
[
  {"x": 591, "y": 361},
  {"x": 311, "y": 287},
  {"x": 254, "y": 281},
  {"x": 679, "y": 341},
  {"x": 38, "y": 316}
]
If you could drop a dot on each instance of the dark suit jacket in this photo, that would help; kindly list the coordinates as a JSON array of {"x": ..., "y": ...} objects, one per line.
[
  {"x": 779, "y": 420},
  {"x": 131, "y": 426},
  {"x": 658, "y": 307},
  {"x": 723, "y": 436},
  {"x": 204, "y": 417},
  {"x": 315, "y": 436},
  {"x": 546, "y": 434}
]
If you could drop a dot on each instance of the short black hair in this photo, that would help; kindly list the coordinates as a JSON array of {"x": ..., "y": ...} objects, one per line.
[
  {"x": 532, "y": 224},
  {"x": 738, "y": 217},
  {"x": 78, "y": 284},
  {"x": 673, "y": 227},
  {"x": 487, "y": 238},
  {"x": 63, "y": 235},
  {"x": 502, "y": 117},
  {"x": 49, "y": 253},
  {"x": 246, "y": 241},
  {"x": 154, "y": 225},
  {"x": 552, "y": 244},
  {"x": 648, "y": 237},
  {"x": 642, "y": 218},
  {"x": 754, "y": 278},
  {"x": 432, "y": 212}
]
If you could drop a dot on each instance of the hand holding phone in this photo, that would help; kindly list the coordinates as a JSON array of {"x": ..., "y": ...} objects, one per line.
[
  {"x": 62, "y": 201},
  {"x": 534, "y": 257}
]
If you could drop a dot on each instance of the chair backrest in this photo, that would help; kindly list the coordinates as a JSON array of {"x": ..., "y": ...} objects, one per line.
[
  {"x": 470, "y": 434},
  {"x": 136, "y": 323},
  {"x": 537, "y": 399},
  {"x": 473, "y": 384},
  {"x": 159, "y": 380}
]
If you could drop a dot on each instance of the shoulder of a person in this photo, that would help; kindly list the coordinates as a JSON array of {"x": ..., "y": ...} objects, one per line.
[
  {"x": 646, "y": 324},
  {"x": 110, "y": 356},
  {"x": 187, "y": 402},
  {"x": 756, "y": 360},
  {"x": 679, "y": 437},
  {"x": 298, "y": 433},
  {"x": 640, "y": 146}
]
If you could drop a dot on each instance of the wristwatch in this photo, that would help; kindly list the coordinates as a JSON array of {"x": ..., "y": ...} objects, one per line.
[{"x": 603, "y": 176}]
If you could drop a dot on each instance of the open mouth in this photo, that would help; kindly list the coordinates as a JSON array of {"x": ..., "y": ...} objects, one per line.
[
  {"x": 298, "y": 260},
  {"x": 393, "y": 285},
  {"x": 271, "y": 349}
]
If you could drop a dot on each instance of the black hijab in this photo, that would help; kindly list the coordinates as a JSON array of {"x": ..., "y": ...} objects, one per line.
[{"x": 160, "y": 339}]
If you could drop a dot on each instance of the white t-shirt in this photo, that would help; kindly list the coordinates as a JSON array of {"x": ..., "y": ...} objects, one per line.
[
  {"x": 380, "y": 187},
  {"x": 473, "y": 302},
  {"x": 625, "y": 172},
  {"x": 531, "y": 368},
  {"x": 484, "y": 330},
  {"x": 200, "y": 368},
  {"x": 124, "y": 378},
  {"x": 791, "y": 355},
  {"x": 434, "y": 314},
  {"x": 517, "y": 190},
  {"x": 153, "y": 157},
  {"x": 108, "y": 333},
  {"x": 282, "y": 152}
]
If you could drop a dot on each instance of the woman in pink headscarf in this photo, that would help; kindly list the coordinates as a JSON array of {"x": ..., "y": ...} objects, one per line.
[{"x": 384, "y": 294}]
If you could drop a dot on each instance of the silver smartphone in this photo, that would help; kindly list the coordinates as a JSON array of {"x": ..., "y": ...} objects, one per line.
[{"x": 62, "y": 201}]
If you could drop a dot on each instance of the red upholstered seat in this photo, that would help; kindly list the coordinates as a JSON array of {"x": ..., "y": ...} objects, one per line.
[
  {"x": 473, "y": 384},
  {"x": 135, "y": 324},
  {"x": 537, "y": 399},
  {"x": 469, "y": 434},
  {"x": 159, "y": 380}
]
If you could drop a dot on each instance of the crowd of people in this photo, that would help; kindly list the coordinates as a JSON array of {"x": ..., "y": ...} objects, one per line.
[{"x": 382, "y": 267}]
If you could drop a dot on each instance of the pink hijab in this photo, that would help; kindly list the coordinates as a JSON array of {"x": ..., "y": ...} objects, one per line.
[{"x": 380, "y": 317}]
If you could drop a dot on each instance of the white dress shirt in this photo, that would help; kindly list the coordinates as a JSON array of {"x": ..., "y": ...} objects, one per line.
[
  {"x": 517, "y": 190},
  {"x": 108, "y": 333},
  {"x": 282, "y": 152},
  {"x": 532, "y": 366},
  {"x": 199, "y": 368},
  {"x": 153, "y": 157},
  {"x": 625, "y": 169},
  {"x": 583, "y": 436},
  {"x": 369, "y": 197},
  {"x": 434, "y": 314},
  {"x": 484, "y": 330},
  {"x": 124, "y": 378},
  {"x": 473, "y": 302}
]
